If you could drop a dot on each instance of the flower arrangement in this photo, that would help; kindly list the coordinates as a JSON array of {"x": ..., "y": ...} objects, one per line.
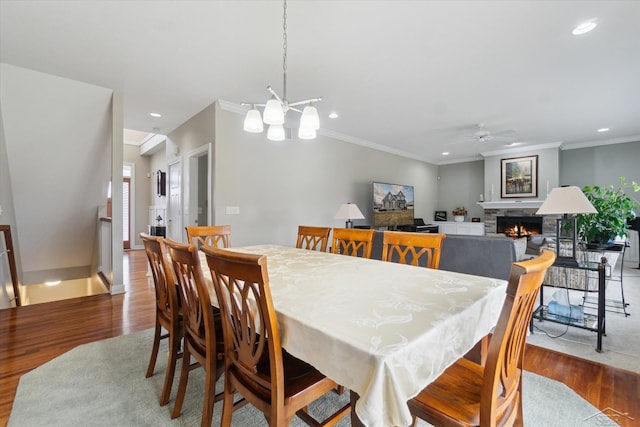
[{"x": 459, "y": 211}]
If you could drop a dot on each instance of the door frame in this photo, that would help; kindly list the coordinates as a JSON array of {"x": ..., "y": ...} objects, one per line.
[{"x": 191, "y": 191}]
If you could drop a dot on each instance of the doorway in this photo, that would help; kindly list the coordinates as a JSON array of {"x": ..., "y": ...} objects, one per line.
[
  {"x": 199, "y": 187},
  {"x": 174, "y": 202}
]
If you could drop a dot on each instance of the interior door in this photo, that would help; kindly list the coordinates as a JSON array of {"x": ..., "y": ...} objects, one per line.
[
  {"x": 126, "y": 212},
  {"x": 174, "y": 208}
]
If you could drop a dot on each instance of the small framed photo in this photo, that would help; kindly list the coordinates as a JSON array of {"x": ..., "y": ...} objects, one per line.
[
  {"x": 441, "y": 216},
  {"x": 475, "y": 219},
  {"x": 519, "y": 177}
]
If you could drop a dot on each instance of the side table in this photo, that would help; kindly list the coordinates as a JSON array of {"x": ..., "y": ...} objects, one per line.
[{"x": 589, "y": 322}]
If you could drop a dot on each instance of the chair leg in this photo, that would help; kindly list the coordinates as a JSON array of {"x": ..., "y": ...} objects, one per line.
[
  {"x": 227, "y": 405},
  {"x": 174, "y": 349},
  {"x": 154, "y": 350},
  {"x": 182, "y": 386},
  {"x": 209, "y": 396}
]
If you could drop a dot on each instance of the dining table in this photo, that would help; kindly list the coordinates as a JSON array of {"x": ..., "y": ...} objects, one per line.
[{"x": 380, "y": 329}]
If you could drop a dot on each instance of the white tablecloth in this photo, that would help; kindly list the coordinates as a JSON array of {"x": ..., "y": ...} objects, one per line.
[{"x": 382, "y": 329}]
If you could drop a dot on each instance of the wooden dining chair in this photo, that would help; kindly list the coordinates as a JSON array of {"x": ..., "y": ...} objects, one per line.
[
  {"x": 202, "y": 331},
  {"x": 470, "y": 394},
  {"x": 168, "y": 315},
  {"x": 313, "y": 238},
  {"x": 420, "y": 249},
  {"x": 257, "y": 367},
  {"x": 353, "y": 242},
  {"x": 213, "y": 235}
]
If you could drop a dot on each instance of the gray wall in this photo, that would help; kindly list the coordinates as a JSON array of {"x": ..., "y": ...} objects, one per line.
[
  {"x": 57, "y": 137},
  {"x": 140, "y": 187},
  {"x": 7, "y": 217},
  {"x": 601, "y": 165},
  {"x": 548, "y": 172},
  {"x": 460, "y": 184},
  {"x": 278, "y": 186}
]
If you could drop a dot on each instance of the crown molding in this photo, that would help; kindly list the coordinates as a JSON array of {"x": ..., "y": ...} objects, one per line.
[
  {"x": 522, "y": 149},
  {"x": 587, "y": 144},
  {"x": 239, "y": 109}
]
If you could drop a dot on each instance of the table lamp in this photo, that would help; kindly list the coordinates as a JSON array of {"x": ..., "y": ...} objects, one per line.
[
  {"x": 349, "y": 211},
  {"x": 565, "y": 201}
]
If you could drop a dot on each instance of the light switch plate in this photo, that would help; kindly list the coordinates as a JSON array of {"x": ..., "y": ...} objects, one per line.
[{"x": 233, "y": 210}]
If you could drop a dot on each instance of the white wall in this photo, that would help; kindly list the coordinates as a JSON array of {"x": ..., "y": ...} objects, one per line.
[{"x": 57, "y": 134}]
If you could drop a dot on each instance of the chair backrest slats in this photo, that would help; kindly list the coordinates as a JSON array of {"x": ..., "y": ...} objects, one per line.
[
  {"x": 503, "y": 370},
  {"x": 163, "y": 280},
  {"x": 218, "y": 236},
  {"x": 196, "y": 302},
  {"x": 313, "y": 238},
  {"x": 353, "y": 242},
  {"x": 420, "y": 249},
  {"x": 251, "y": 332}
]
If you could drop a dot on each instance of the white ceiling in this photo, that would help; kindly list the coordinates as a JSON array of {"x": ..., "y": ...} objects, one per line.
[{"x": 414, "y": 76}]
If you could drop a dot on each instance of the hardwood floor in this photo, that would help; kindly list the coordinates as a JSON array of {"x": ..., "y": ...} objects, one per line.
[{"x": 32, "y": 335}]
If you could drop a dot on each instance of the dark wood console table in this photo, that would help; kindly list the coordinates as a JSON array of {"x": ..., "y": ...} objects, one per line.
[{"x": 589, "y": 321}]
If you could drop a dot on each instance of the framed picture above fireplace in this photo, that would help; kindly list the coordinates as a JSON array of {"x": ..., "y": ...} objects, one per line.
[{"x": 519, "y": 177}]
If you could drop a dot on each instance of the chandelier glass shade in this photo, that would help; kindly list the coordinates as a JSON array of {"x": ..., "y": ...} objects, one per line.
[
  {"x": 253, "y": 121},
  {"x": 276, "y": 108},
  {"x": 276, "y": 133}
]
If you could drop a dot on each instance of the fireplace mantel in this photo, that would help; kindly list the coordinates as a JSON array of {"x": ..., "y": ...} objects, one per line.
[{"x": 515, "y": 204}]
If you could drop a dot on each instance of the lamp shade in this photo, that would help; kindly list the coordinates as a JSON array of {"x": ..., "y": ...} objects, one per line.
[
  {"x": 276, "y": 133},
  {"x": 309, "y": 118},
  {"x": 566, "y": 200},
  {"x": 349, "y": 211},
  {"x": 306, "y": 133},
  {"x": 253, "y": 121},
  {"x": 273, "y": 112}
]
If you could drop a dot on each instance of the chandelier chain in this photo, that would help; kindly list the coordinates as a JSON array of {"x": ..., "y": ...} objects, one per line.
[{"x": 284, "y": 48}]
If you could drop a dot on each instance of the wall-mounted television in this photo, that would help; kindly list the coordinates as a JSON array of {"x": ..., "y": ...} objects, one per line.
[{"x": 392, "y": 204}]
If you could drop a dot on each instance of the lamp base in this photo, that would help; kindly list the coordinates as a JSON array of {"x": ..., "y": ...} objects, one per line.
[
  {"x": 348, "y": 224},
  {"x": 562, "y": 261}
]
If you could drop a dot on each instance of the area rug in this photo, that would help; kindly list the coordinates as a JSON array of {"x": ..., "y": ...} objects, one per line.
[
  {"x": 103, "y": 384},
  {"x": 620, "y": 346}
]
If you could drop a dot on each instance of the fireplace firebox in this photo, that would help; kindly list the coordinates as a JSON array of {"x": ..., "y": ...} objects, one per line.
[{"x": 519, "y": 226}]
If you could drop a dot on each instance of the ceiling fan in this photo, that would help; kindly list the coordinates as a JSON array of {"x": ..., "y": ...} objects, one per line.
[{"x": 484, "y": 135}]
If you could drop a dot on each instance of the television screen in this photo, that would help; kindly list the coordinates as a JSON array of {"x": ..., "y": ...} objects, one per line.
[{"x": 392, "y": 204}]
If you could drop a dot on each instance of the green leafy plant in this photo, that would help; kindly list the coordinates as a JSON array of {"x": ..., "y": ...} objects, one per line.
[
  {"x": 614, "y": 206},
  {"x": 459, "y": 211}
]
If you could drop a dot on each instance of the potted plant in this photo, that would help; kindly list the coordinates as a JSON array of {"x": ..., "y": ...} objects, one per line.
[
  {"x": 614, "y": 206},
  {"x": 459, "y": 213}
]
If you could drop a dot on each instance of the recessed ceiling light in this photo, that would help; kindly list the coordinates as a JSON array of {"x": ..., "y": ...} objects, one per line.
[
  {"x": 333, "y": 115},
  {"x": 603, "y": 130},
  {"x": 584, "y": 28},
  {"x": 155, "y": 115},
  {"x": 446, "y": 153}
]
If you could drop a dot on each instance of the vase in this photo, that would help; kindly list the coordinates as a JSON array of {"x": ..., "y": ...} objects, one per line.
[{"x": 458, "y": 218}]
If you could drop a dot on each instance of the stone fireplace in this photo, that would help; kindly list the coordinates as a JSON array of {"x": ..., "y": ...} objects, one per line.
[{"x": 546, "y": 223}]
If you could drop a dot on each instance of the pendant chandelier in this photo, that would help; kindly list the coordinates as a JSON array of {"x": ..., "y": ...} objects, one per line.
[{"x": 276, "y": 108}]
